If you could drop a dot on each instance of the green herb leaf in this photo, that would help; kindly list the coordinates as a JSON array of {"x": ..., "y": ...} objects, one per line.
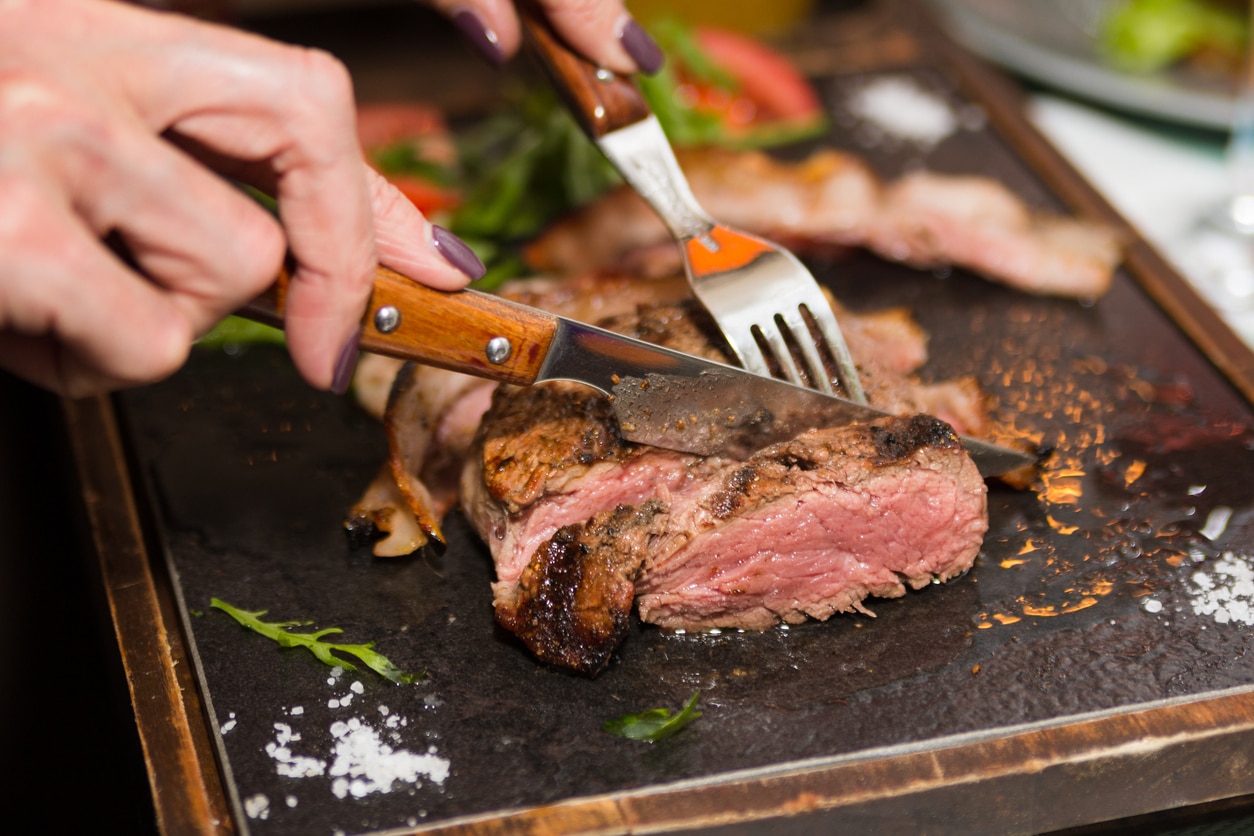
[
  {"x": 235, "y": 331},
  {"x": 406, "y": 158},
  {"x": 279, "y": 632},
  {"x": 655, "y": 724},
  {"x": 1149, "y": 35}
]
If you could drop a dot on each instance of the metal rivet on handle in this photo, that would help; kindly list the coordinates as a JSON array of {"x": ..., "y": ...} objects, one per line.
[
  {"x": 387, "y": 319},
  {"x": 604, "y": 76},
  {"x": 498, "y": 350}
]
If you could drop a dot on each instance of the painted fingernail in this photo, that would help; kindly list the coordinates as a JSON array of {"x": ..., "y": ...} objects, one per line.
[
  {"x": 482, "y": 38},
  {"x": 641, "y": 47},
  {"x": 346, "y": 364},
  {"x": 457, "y": 252}
]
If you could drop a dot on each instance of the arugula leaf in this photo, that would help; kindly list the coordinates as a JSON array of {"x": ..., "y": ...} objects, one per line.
[
  {"x": 406, "y": 158},
  {"x": 655, "y": 724},
  {"x": 525, "y": 166},
  {"x": 234, "y": 331},
  {"x": 279, "y": 632}
]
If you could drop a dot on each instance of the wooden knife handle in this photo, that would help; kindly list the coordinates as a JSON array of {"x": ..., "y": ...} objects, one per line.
[
  {"x": 600, "y": 100},
  {"x": 452, "y": 330}
]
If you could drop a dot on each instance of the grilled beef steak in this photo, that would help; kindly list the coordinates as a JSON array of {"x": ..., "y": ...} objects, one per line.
[{"x": 581, "y": 524}]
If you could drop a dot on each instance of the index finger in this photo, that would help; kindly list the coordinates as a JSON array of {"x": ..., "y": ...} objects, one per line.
[{"x": 292, "y": 111}]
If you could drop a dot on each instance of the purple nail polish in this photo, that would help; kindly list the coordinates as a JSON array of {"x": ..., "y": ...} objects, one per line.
[
  {"x": 457, "y": 252},
  {"x": 346, "y": 364},
  {"x": 482, "y": 38},
  {"x": 641, "y": 47}
]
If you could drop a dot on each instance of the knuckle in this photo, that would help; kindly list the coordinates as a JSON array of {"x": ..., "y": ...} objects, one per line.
[
  {"x": 41, "y": 118},
  {"x": 264, "y": 247},
  {"x": 326, "y": 80}
]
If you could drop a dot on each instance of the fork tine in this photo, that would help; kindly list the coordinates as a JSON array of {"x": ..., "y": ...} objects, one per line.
[
  {"x": 747, "y": 350},
  {"x": 825, "y": 321},
  {"x": 796, "y": 331},
  {"x": 773, "y": 335}
]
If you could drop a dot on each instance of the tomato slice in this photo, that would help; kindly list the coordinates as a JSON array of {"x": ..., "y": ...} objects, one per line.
[
  {"x": 779, "y": 91},
  {"x": 386, "y": 123},
  {"x": 418, "y": 131},
  {"x": 427, "y": 196}
]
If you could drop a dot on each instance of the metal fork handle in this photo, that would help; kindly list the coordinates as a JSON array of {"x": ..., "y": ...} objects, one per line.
[
  {"x": 615, "y": 115},
  {"x": 643, "y": 156}
]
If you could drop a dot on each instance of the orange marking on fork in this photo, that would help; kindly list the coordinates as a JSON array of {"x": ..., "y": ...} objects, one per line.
[{"x": 734, "y": 251}]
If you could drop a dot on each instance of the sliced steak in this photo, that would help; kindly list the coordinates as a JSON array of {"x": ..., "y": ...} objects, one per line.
[{"x": 580, "y": 523}]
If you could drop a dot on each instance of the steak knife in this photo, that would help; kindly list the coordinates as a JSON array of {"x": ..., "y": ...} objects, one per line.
[{"x": 661, "y": 397}]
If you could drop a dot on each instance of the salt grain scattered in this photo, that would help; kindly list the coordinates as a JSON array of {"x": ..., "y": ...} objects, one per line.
[
  {"x": 357, "y": 687},
  {"x": 1226, "y": 592},
  {"x": 1153, "y": 605},
  {"x": 900, "y": 108},
  {"x": 364, "y": 764}
]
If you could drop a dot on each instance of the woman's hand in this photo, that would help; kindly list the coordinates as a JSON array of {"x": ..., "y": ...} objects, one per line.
[
  {"x": 600, "y": 29},
  {"x": 121, "y": 241}
]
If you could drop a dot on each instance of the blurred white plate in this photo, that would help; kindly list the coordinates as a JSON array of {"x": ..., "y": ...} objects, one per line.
[{"x": 1052, "y": 43}]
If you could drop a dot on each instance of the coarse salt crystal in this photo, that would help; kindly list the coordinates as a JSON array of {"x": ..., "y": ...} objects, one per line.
[
  {"x": 365, "y": 764},
  {"x": 1226, "y": 592},
  {"x": 1153, "y": 605},
  {"x": 357, "y": 687},
  {"x": 257, "y": 806},
  {"x": 1216, "y": 523},
  {"x": 901, "y": 108}
]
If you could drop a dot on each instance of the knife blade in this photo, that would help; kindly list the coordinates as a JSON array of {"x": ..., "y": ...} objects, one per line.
[{"x": 661, "y": 397}]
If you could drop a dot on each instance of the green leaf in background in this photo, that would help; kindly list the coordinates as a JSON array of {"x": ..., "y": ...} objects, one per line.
[
  {"x": 405, "y": 158},
  {"x": 655, "y": 724},
  {"x": 324, "y": 651},
  {"x": 1150, "y": 35},
  {"x": 523, "y": 167},
  {"x": 235, "y": 331}
]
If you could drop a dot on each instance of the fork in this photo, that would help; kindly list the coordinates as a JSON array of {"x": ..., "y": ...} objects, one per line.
[{"x": 770, "y": 309}]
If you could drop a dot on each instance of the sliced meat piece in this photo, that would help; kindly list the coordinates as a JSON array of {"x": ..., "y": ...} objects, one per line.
[
  {"x": 833, "y": 200},
  {"x": 814, "y": 526},
  {"x": 929, "y": 220}
]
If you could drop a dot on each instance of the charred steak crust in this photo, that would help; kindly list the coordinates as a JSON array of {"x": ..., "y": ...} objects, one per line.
[
  {"x": 895, "y": 442},
  {"x": 572, "y": 605},
  {"x": 535, "y": 435}
]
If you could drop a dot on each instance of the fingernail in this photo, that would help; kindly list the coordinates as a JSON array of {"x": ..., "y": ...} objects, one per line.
[
  {"x": 457, "y": 252},
  {"x": 482, "y": 38},
  {"x": 641, "y": 47},
  {"x": 346, "y": 364}
]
